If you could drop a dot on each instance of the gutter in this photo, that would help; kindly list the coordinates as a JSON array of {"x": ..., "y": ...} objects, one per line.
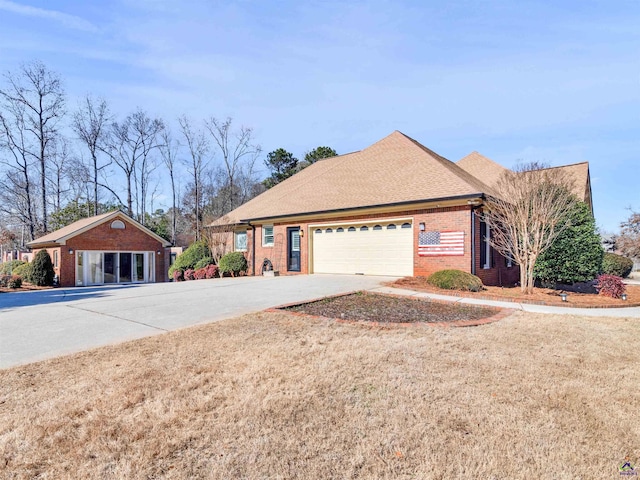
[{"x": 253, "y": 248}]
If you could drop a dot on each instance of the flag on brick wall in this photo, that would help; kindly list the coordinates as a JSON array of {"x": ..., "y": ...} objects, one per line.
[{"x": 440, "y": 243}]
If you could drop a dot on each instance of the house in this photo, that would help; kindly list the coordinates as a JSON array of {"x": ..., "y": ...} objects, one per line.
[
  {"x": 394, "y": 208},
  {"x": 106, "y": 249}
]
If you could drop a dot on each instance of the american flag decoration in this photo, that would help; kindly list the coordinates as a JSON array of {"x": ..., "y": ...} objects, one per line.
[{"x": 440, "y": 243}]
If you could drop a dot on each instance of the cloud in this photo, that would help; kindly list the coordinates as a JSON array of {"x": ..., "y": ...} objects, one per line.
[{"x": 70, "y": 21}]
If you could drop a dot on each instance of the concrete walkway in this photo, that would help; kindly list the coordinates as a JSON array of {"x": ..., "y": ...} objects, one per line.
[{"x": 585, "y": 312}]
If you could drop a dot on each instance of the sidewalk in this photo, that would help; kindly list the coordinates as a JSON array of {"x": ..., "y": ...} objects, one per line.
[{"x": 623, "y": 312}]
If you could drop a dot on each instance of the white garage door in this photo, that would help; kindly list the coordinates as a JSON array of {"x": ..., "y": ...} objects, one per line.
[{"x": 384, "y": 248}]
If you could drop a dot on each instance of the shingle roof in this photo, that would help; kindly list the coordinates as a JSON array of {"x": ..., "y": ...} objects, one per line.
[
  {"x": 396, "y": 169},
  {"x": 482, "y": 168},
  {"x": 59, "y": 236},
  {"x": 579, "y": 172}
]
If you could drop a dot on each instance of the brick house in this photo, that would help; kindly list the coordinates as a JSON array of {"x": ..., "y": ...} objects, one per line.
[
  {"x": 106, "y": 249},
  {"x": 394, "y": 208}
]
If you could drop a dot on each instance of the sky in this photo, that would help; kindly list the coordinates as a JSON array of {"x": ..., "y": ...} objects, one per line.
[{"x": 556, "y": 82}]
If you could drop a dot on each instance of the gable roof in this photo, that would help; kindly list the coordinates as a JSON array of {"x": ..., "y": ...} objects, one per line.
[
  {"x": 60, "y": 236},
  {"x": 394, "y": 170}
]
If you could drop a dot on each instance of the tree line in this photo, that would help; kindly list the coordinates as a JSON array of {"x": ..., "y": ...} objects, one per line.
[{"x": 59, "y": 164}]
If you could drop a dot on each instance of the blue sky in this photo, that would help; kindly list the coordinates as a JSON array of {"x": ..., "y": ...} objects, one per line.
[{"x": 557, "y": 82}]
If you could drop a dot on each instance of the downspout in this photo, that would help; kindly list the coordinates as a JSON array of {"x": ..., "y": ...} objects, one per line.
[{"x": 253, "y": 249}]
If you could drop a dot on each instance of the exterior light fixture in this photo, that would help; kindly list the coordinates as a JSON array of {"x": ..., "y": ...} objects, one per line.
[
  {"x": 422, "y": 226},
  {"x": 563, "y": 296},
  {"x": 624, "y": 297},
  {"x": 302, "y": 233},
  {"x": 158, "y": 252},
  {"x": 71, "y": 251}
]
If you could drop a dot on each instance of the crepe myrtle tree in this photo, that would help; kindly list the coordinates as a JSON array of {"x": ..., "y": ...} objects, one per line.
[{"x": 526, "y": 214}]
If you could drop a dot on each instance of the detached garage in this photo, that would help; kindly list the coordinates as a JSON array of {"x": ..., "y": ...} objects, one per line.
[{"x": 373, "y": 248}]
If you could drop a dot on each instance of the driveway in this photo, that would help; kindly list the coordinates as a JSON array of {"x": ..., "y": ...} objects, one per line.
[{"x": 48, "y": 323}]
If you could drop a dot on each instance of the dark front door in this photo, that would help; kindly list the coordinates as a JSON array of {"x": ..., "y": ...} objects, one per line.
[
  {"x": 125, "y": 267},
  {"x": 293, "y": 249}
]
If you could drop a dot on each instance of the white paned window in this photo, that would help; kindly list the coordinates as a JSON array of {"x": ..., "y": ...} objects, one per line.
[
  {"x": 267, "y": 235},
  {"x": 240, "y": 241}
]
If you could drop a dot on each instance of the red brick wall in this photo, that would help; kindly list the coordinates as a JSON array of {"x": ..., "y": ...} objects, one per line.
[
  {"x": 105, "y": 238},
  {"x": 438, "y": 219}
]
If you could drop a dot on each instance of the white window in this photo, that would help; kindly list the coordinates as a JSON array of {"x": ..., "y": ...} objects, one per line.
[
  {"x": 117, "y": 225},
  {"x": 240, "y": 241},
  {"x": 267, "y": 235}
]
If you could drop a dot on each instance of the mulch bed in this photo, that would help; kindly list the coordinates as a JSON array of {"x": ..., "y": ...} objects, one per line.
[
  {"x": 540, "y": 296},
  {"x": 394, "y": 309}
]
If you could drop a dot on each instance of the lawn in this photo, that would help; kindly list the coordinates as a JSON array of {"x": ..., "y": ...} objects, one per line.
[{"x": 275, "y": 396}]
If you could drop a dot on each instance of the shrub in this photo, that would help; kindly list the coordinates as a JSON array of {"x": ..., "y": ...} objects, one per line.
[
  {"x": 15, "y": 281},
  {"x": 455, "y": 280},
  {"x": 211, "y": 271},
  {"x": 42, "y": 273},
  {"x": 189, "y": 274},
  {"x": 192, "y": 255},
  {"x": 618, "y": 265},
  {"x": 4, "y": 279},
  {"x": 201, "y": 273},
  {"x": 24, "y": 271},
  {"x": 8, "y": 267},
  {"x": 178, "y": 276},
  {"x": 234, "y": 263},
  {"x": 576, "y": 253},
  {"x": 202, "y": 263},
  {"x": 610, "y": 286}
]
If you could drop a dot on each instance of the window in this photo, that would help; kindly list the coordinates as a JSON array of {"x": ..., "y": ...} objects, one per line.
[
  {"x": 406, "y": 225},
  {"x": 351, "y": 229},
  {"x": 364, "y": 228},
  {"x": 240, "y": 241},
  {"x": 55, "y": 259},
  {"x": 377, "y": 227},
  {"x": 117, "y": 225},
  {"x": 318, "y": 230},
  {"x": 391, "y": 226},
  {"x": 329, "y": 230},
  {"x": 267, "y": 235},
  {"x": 485, "y": 246},
  {"x": 339, "y": 230}
]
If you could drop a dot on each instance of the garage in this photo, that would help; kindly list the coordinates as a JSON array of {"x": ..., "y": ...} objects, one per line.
[{"x": 368, "y": 248}]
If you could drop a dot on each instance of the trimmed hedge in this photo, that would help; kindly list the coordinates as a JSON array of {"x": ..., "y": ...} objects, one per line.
[
  {"x": 14, "y": 282},
  {"x": 24, "y": 271},
  {"x": 456, "y": 280},
  {"x": 204, "y": 262},
  {"x": 234, "y": 263},
  {"x": 613, "y": 264},
  {"x": 188, "y": 259}
]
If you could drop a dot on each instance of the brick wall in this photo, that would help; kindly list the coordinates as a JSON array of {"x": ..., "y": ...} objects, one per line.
[{"x": 105, "y": 238}]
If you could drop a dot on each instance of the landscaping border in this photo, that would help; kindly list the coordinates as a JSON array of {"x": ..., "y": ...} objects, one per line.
[{"x": 502, "y": 313}]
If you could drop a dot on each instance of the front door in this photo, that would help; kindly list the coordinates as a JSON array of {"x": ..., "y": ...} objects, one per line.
[
  {"x": 293, "y": 249},
  {"x": 125, "y": 268},
  {"x": 110, "y": 267}
]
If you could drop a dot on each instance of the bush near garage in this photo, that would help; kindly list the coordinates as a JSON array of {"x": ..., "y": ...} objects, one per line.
[
  {"x": 233, "y": 263},
  {"x": 15, "y": 281},
  {"x": 178, "y": 276},
  {"x": 613, "y": 264},
  {"x": 190, "y": 257},
  {"x": 189, "y": 274},
  {"x": 610, "y": 286},
  {"x": 200, "y": 274},
  {"x": 211, "y": 271},
  {"x": 8, "y": 267},
  {"x": 456, "y": 280},
  {"x": 24, "y": 271},
  {"x": 204, "y": 262},
  {"x": 41, "y": 272}
]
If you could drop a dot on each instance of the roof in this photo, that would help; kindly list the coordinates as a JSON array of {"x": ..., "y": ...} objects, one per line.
[
  {"x": 60, "y": 236},
  {"x": 396, "y": 169},
  {"x": 490, "y": 172},
  {"x": 482, "y": 168}
]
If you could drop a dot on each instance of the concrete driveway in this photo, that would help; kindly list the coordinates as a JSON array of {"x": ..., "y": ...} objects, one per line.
[{"x": 48, "y": 323}]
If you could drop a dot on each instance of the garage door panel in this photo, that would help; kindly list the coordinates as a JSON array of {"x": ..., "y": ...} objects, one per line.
[{"x": 370, "y": 252}]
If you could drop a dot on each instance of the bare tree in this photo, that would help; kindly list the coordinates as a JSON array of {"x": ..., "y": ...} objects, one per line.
[
  {"x": 59, "y": 169},
  {"x": 527, "y": 213},
  {"x": 36, "y": 97},
  {"x": 130, "y": 145},
  {"x": 219, "y": 239},
  {"x": 628, "y": 241},
  {"x": 239, "y": 154},
  {"x": 90, "y": 122},
  {"x": 198, "y": 147},
  {"x": 169, "y": 151}
]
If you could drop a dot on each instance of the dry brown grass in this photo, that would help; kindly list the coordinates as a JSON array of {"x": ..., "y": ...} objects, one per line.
[{"x": 277, "y": 396}]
